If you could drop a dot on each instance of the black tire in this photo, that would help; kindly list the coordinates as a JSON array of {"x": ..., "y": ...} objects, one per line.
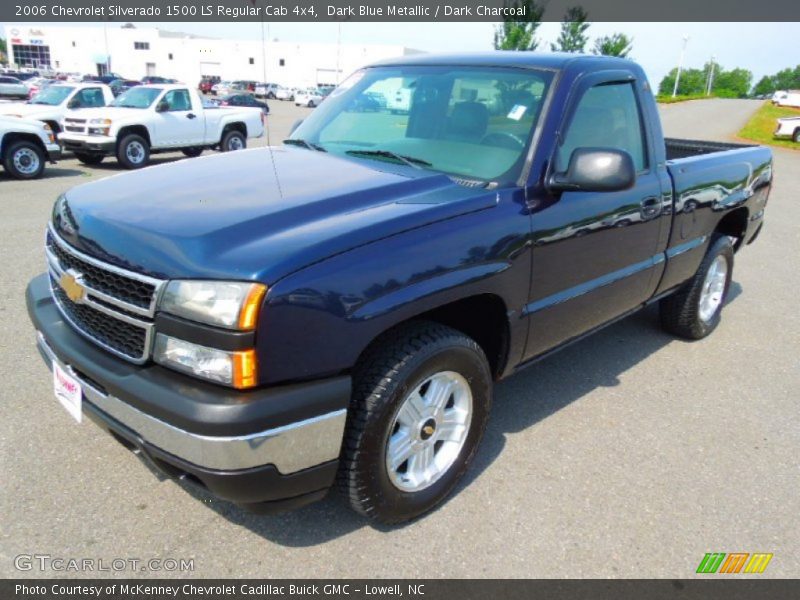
[
  {"x": 192, "y": 152},
  {"x": 390, "y": 370},
  {"x": 125, "y": 152},
  {"x": 270, "y": 96},
  {"x": 311, "y": 104},
  {"x": 89, "y": 159},
  {"x": 24, "y": 160},
  {"x": 796, "y": 136},
  {"x": 230, "y": 139},
  {"x": 680, "y": 312}
]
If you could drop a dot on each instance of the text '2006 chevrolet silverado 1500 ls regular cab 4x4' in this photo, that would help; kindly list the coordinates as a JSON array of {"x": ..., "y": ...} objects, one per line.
[{"x": 268, "y": 323}]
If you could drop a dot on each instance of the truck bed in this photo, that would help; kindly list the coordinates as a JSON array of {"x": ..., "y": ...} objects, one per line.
[{"x": 679, "y": 148}]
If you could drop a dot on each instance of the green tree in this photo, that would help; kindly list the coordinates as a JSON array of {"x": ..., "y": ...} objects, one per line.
[
  {"x": 573, "y": 36},
  {"x": 515, "y": 34},
  {"x": 765, "y": 86},
  {"x": 3, "y": 50},
  {"x": 692, "y": 82},
  {"x": 735, "y": 83},
  {"x": 617, "y": 44}
]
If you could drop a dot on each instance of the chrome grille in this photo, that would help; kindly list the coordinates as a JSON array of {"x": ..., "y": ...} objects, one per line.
[{"x": 117, "y": 308}]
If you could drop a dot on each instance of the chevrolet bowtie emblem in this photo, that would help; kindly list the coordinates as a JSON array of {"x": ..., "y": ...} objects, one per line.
[{"x": 70, "y": 282}]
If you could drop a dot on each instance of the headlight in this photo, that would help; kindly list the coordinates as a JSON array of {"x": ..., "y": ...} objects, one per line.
[
  {"x": 229, "y": 304},
  {"x": 236, "y": 369},
  {"x": 99, "y": 121}
]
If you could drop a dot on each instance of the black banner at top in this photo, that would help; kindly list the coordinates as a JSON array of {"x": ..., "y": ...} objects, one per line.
[{"x": 392, "y": 10}]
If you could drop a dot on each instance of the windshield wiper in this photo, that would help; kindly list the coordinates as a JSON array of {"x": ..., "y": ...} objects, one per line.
[
  {"x": 305, "y": 144},
  {"x": 411, "y": 161}
]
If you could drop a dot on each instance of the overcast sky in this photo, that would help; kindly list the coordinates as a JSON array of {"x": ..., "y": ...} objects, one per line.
[{"x": 762, "y": 48}]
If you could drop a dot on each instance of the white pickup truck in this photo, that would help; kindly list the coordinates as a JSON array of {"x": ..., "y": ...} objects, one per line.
[
  {"x": 51, "y": 104},
  {"x": 25, "y": 145},
  {"x": 152, "y": 118}
]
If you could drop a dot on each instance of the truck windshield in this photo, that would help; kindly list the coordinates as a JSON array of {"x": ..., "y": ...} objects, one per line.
[
  {"x": 52, "y": 96},
  {"x": 470, "y": 122},
  {"x": 137, "y": 97}
]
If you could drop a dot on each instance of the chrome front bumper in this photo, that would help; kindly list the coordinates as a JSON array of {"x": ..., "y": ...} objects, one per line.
[{"x": 289, "y": 448}]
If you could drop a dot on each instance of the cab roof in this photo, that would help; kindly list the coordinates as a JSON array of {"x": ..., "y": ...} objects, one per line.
[{"x": 507, "y": 58}]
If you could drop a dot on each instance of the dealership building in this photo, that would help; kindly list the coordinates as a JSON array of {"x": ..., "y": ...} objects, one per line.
[{"x": 135, "y": 52}]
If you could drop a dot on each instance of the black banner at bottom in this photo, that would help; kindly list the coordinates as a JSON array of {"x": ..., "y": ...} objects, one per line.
[{"x": 423, "y": 589}]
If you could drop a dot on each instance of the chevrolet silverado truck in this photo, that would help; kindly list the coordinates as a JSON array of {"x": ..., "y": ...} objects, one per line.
[
  {"x": 52, "y": 103},
  {"x": 25, "y": 146},
  {"x": 152, "y": 118},
  {"x": 335, "y": 311}
]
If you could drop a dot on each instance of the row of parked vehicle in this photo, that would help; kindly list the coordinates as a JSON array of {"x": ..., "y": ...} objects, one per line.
[
  {"x": 87, "y": 119},
  {"x": 309, "y": 97}
]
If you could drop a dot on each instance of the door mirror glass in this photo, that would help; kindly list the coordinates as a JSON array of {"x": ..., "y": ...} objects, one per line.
[{"x": 162, "y": 106}]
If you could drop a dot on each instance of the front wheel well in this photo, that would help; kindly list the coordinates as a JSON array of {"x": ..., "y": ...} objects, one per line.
[
  {"x": 734, "y": 225},
  {"x": 482, "y": 317},
  {"x": 135, "y": 129},
  {"x": 12, "y": 137}
]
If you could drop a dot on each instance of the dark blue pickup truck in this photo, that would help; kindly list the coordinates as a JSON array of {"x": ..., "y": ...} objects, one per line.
[{"x": 267, "y": 324}]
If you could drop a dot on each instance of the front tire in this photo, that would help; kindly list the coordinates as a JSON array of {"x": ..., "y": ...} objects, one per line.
[
  {"x": 192, "y": 152},
  {"x": 233, "y": 140},
  {"x": 695, "y": 310},
  {"x": 420, "y": 405},
  {"x": 133, "y": 152},
  {"x": 24, "y": 160}
]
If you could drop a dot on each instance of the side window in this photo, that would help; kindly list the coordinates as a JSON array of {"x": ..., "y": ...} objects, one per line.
[
  {"x": 607, "y": 117},
  {"x": 90, "y": 98},
  {"x": 178, "y": 100}
]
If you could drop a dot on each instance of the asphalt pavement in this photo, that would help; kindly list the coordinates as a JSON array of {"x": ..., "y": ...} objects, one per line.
[{"x": 629, "y": 454}]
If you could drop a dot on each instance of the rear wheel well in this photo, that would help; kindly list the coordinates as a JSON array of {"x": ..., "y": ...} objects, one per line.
[
  {"x": 136, "y": 129},
  {"x": 734, "y": 224},
  {"x": 238, "y": 126},
  {"x": 483, "y": 318}
]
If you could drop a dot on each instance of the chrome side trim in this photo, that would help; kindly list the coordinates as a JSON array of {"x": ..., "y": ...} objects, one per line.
[
  {"x": 290, "y": 448},
  {"x": 156, "y": 283}
]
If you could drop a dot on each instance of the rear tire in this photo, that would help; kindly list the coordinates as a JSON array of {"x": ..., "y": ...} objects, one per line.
[
  {"x": 89, "y": 159},
  {"x": 420, "y": 405},
  {"x": 24, "y": 160},
  {"x": 233, "y": 140},
  {"x": 133, "y": 152},
  {"x": 796, "y": 136},
  {"x": 695, "y": 310}
]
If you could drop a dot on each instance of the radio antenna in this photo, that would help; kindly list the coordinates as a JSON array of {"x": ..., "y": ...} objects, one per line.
[{"x": 266, "y": 93}]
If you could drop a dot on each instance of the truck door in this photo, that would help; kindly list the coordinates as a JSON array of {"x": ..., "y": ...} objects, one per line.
[
  {"x": 595, "y": 254},
  {"x": 179, "y": 124}
]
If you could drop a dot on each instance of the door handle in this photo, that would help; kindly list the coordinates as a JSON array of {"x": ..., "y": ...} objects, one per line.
[
  {"x": 191, "y": 116},
  {"x": 651, "y": 207}
]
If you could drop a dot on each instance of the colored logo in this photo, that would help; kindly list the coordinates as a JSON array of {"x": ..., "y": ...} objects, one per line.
[
  {"x": 71, "y": 284},
  {"x": 735, "y": 562}
]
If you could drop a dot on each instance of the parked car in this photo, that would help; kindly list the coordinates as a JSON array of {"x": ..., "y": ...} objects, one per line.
[
  {"x": 368, "y": 102},
  {"x": 285, "y": 93},
  {"x": 122, "y": 85},
  {"x": 152, "y": 79},
  {"x": 791, "y": 98},
  {"x": 244, "y": 100},
  {"x": 206, "y": 83},
  {"x": 776, "y": 96},
  {"x": 107, "y": 78},
  {"x": 223, "y": 88},
  {"x": 263, "y": 342},
  {"x": 266, "y": 90},
  {"x": 52, "y": 103},
  {"x": 244, "y": 86},
  {"x": 37, "y": 84},
  {"x": 11, "y": 87},
  {"x": 152, "y": 118},
  {"x": 310, "y": 97},
  {"x": 788, "y": 128},
  {"x": 25, "y": 146}
]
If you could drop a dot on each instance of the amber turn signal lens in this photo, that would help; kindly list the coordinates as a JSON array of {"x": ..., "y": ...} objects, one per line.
[
  {"x": 245, "y": 369},
  {"x": 249, "y": 312}
]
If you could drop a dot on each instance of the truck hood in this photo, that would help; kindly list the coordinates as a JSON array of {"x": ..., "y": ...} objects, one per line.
[
  {"x": 240, "y": 216},
  {"x": 30, "y": 111}
]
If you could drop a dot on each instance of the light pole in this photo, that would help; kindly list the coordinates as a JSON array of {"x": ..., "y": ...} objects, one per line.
[
  {"x": 680, "y": 66},
  {"x": 710, "y": 76}
]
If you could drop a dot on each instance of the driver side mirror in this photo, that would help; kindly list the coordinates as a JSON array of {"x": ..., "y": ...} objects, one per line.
[
  {"x": 162, "y": 106},
  {"x": 595, "y": 170},
  {"x": 74, "y": 103}
]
